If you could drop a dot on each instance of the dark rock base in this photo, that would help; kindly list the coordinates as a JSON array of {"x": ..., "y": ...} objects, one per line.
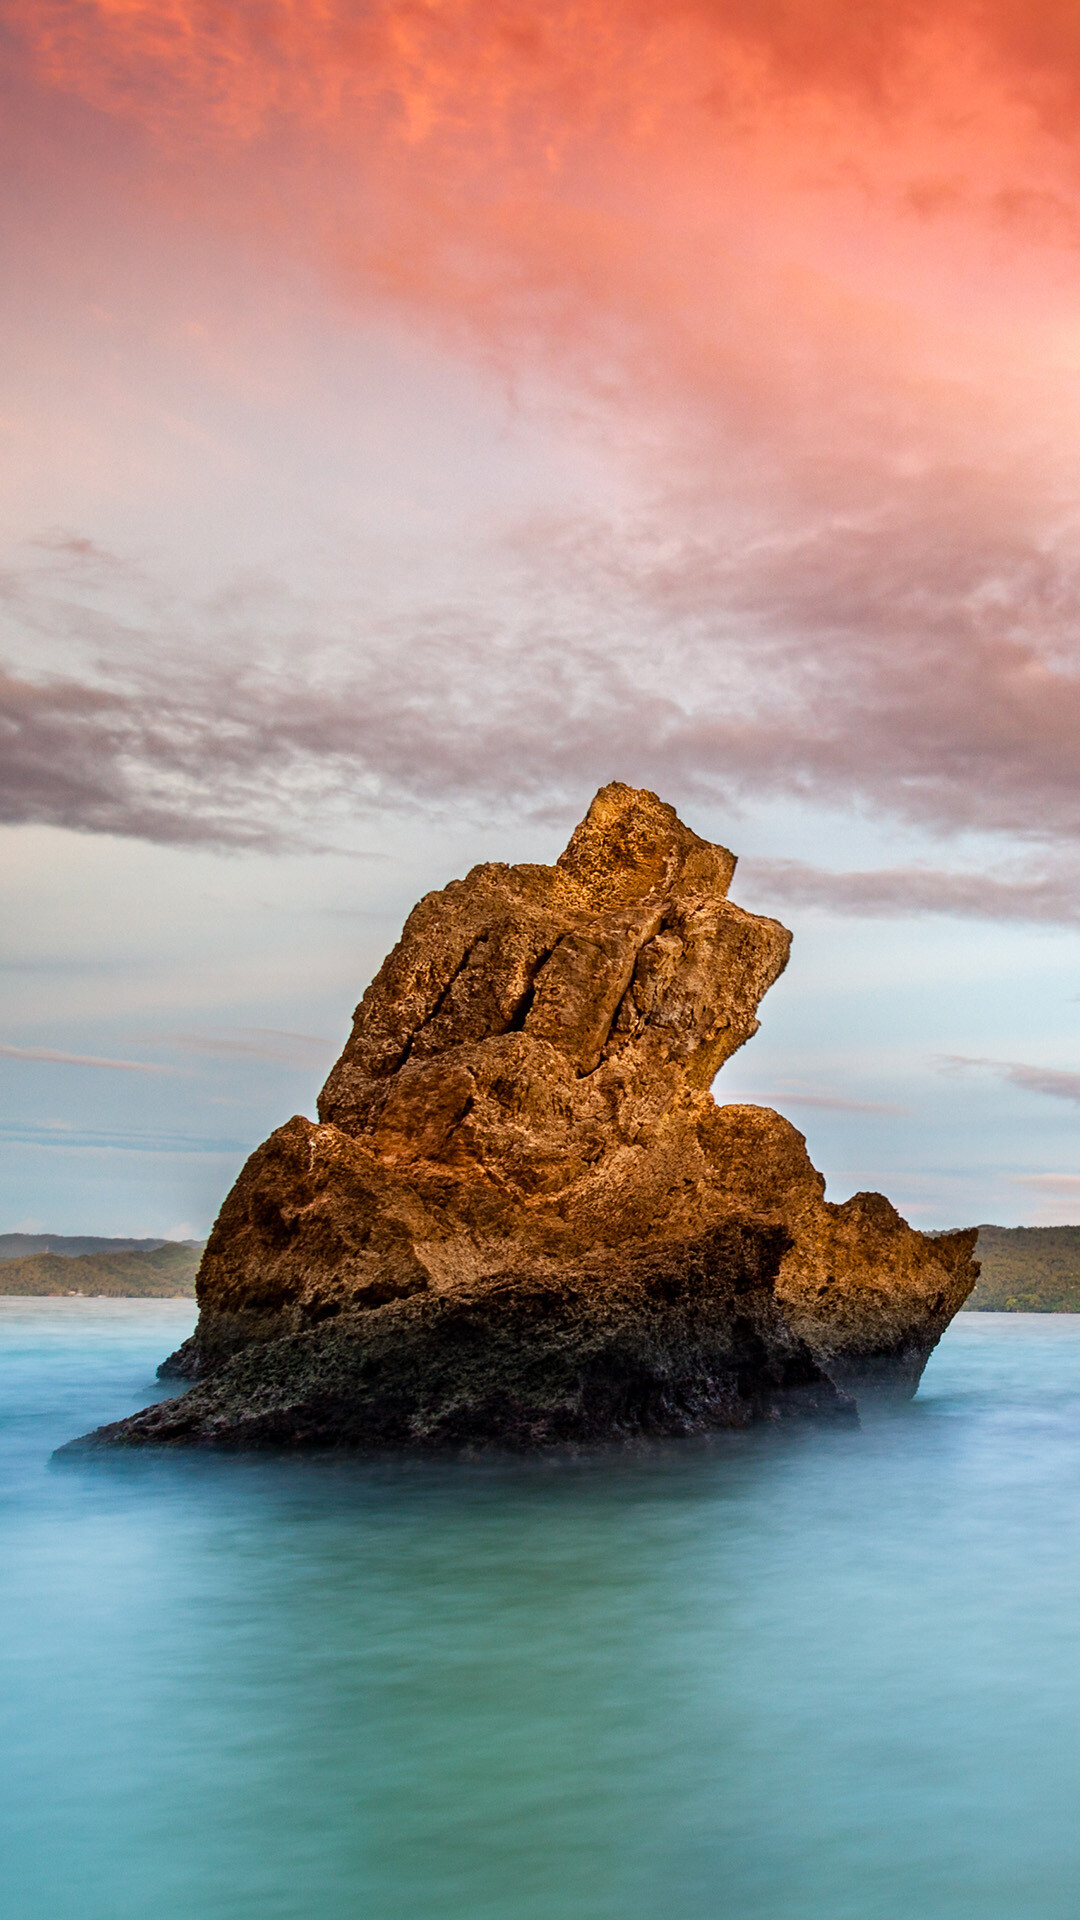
[
  {"x": 882, "y": 1376},
  {"x": 679, "y": 1349},
  {"x": 184, "y": 1363}
]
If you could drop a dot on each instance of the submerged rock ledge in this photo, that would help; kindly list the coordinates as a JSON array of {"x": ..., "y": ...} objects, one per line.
[{"x": 522, "y": 1219}]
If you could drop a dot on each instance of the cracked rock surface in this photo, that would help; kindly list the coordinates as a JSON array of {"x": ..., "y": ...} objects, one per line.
[{"x": 521, "y": 1218}]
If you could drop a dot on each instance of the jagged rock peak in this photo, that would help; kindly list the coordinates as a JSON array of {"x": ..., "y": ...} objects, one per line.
[
  {"x": 632, "y": 843},
  {"x": 627, "y": 947}
]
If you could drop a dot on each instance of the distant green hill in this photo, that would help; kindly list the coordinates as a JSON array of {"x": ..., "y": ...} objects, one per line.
[
  {"x": 165, "y": 1273},
  {"x": 18, "y": 1246},
  {"x": 1027, "y": 1270}
]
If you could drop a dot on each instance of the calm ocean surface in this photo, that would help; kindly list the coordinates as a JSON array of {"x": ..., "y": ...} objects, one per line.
[{"x": 807, "y": 1676}]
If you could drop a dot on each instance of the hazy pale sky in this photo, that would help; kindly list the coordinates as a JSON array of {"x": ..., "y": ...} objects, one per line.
[{"x": 412, "y": 415}]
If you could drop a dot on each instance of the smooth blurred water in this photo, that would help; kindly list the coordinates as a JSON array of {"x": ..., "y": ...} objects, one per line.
[{"x": 796, "y": 1676}]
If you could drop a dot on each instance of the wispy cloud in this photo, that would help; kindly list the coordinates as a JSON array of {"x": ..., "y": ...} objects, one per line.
[
  {"x": 1056, "y": 1196},
  {"x": 1050, "y": 896},
  {"x": 58, "y": 1058},
  {"x": 1066, "y": 1184},
  {"x": 836, "y": 1103},
  {"x": 794, "y": 1096},
  {"x": 1059, "y": 1085},
  {"x": 72, "y": 1139},
  {"x": 265, "y": 1043}
]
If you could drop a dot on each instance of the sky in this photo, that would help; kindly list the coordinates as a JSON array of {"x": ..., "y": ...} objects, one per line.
[{"x": 414, "y": 415}]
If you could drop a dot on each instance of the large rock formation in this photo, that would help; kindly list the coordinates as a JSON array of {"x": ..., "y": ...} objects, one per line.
[{"x": 522, "y": 1217}]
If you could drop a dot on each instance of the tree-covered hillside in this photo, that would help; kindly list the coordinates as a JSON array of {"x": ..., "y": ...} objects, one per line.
[
  {"x": 1027, "y": 1270},
  {"x": 20, "y": 1246},
  {"x": 167, "y": 1272}
]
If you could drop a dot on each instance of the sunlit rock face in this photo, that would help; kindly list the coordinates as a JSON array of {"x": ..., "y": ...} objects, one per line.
[{"x": 522, "y": 1219}]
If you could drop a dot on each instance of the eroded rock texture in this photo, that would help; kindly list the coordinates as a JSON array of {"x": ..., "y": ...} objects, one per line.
[{"x": 522, "y": 1218}]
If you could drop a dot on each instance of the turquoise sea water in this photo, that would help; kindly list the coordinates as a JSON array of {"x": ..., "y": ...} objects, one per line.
[{"x": 796, "y": 1676}]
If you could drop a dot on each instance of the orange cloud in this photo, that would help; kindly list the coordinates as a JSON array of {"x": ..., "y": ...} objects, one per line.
[
  {"x": 473, "y": 155},
  {"x": 852, "y": 225},
  {"x": 520, "y": 75},
  {"x": 529, "y": 86}
]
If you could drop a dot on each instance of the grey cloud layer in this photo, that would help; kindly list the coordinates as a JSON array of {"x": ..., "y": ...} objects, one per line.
[{"x": 918, "y": 659}]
